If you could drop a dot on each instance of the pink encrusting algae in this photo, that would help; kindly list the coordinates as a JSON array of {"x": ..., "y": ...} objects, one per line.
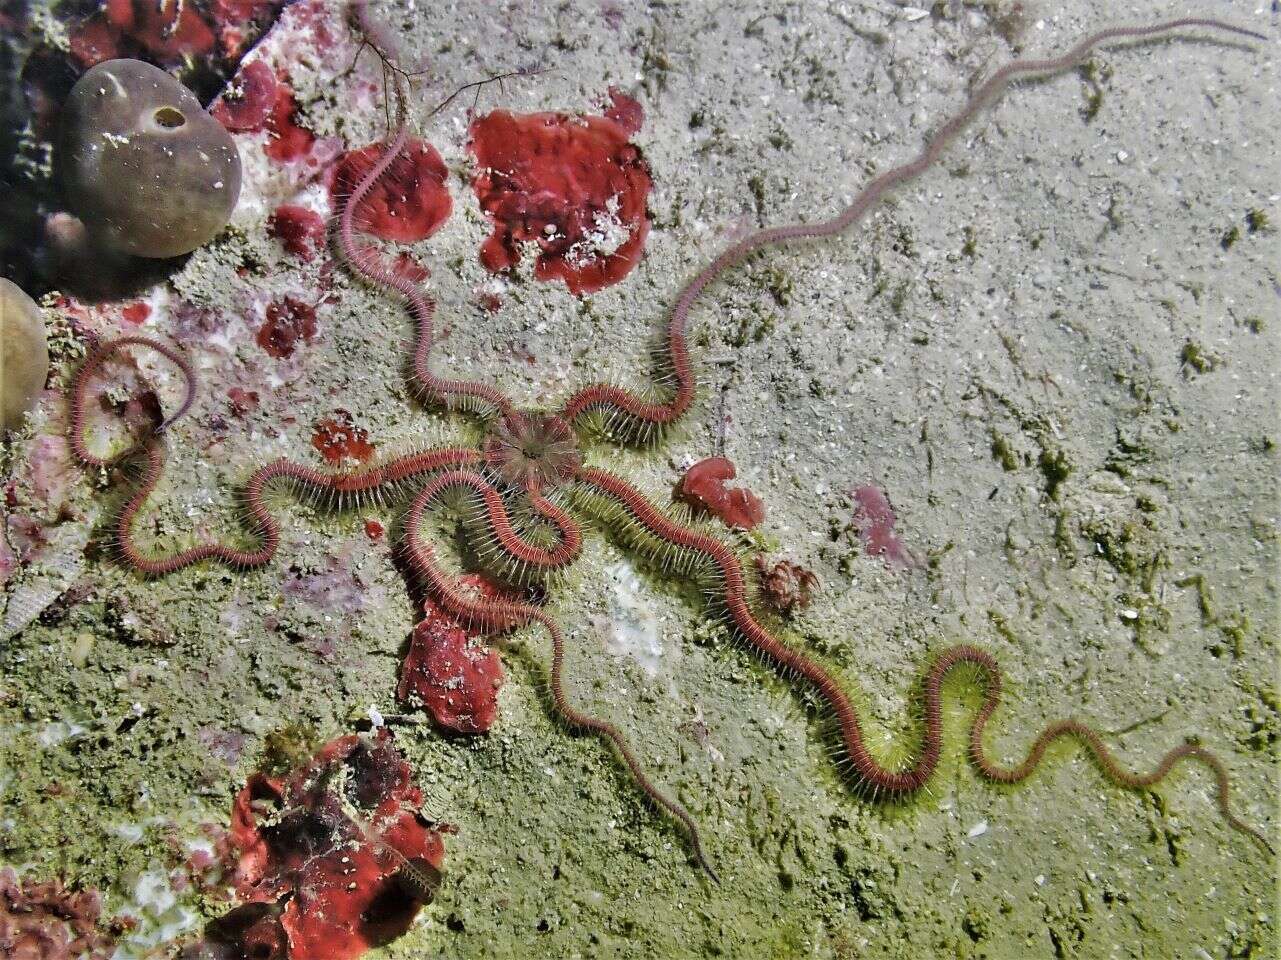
[
  {"x": 574, "y": 186},
  {"x": 331, "y": 860},
  {"x": 703, "y": 485},
  {"x": 874, "y": 520},
  {"x": 408, "y": 203},
  {"x": 450, "y": 671}
]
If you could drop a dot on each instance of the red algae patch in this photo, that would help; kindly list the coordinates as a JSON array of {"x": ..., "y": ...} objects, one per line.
[
  {"x": 704, "y": 486},
  {"x": 136, "y": 312},
  {"x": 333, "y": 859},
  {"x": 625, "y": 111},
  {"x": 94, "y": 41},
  {"x": 300, "y": 231},
  {"x": 339, "y": 440},
  {"x": 573, "y": 185},
  {"x": 248, "y": 100},
  {"x": 874, "y": 520},
  {"x": 242, "y": 402},
  {"x": 408, "y": 203},
  {"x": 288, "y": 140},
  {"x": 288, "y": 321},
  {"x": 166, "y": 32},
  {"x": 450, "y": 672}
]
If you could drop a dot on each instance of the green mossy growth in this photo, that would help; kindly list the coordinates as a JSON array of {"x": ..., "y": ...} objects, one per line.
[
  {"x": 286, "y": 747},
  {"x": 1056, "y": 468},
  {"x": 1003, "y": 453},
  {"x": 1194, "y": 357},
  {"x": 977, "y": 924},
  {"x": 1094, "y": 75},
  {"x": 1235, "y": 630}
]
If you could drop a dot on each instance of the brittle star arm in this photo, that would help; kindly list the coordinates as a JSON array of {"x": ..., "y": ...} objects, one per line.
[
  {"x": 628, "y": 407},
  {"x": 340, "y": 486},
  {"x": 505, "y": 614},
  {"x": 365, "y": 261},
  {"x": 870, "y": 773}
]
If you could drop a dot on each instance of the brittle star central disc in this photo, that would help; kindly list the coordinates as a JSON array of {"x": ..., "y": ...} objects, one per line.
[{"x": 534, "y": 451}]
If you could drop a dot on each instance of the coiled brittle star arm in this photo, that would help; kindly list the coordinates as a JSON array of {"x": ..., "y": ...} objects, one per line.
[
  {"x": 505, "y": 614},
  {"x": 505, "y": 538},
  {"x": 868, "y": 771},
  {"x": 628, "y": 406},
  {"x": 338, "y": 485}
]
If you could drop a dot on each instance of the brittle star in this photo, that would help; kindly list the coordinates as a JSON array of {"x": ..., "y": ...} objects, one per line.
[{"x": 536, "y": 456}]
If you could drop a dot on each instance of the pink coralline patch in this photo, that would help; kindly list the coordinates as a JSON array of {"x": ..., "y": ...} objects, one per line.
[
  {"x": 288, "y": 139},
  {"x": 44, "y": 921},
  {"x": 242, "y": 12},
  {"x": 135, "y": 313},
  {"x": 300, "y": 231},
  {"x": 225, "y": 745},
  {"x": 334, "y": 589},
  {"x": 288, "y": 321},
  {"x": 704, "y": 486},
  {"x": 53, "y": 471},
  {"x": 339, "y": 440},
  {"x": 249, "y": 99},
  {"x": 874, "y": 520},
  {"x": 26, "y": 535},
  {"x": 450, "y": 671},
  {"x": 8, "y": 561},
  {"x": 333, "y": 859},
  {"x": 574, "y": 185},
  {"x": 408, "y": 203}
]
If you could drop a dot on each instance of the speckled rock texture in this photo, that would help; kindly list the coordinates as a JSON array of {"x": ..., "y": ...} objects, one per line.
[{"x": 1056, "y": 353}]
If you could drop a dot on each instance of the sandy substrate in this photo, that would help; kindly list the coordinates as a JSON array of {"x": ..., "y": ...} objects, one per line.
[{"x": 1056, "y": 351}]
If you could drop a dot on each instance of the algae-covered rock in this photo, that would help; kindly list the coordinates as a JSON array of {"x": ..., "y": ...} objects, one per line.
[
  {"x": 24, "y": 354},
  {"x": 147, "y": 169}
]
